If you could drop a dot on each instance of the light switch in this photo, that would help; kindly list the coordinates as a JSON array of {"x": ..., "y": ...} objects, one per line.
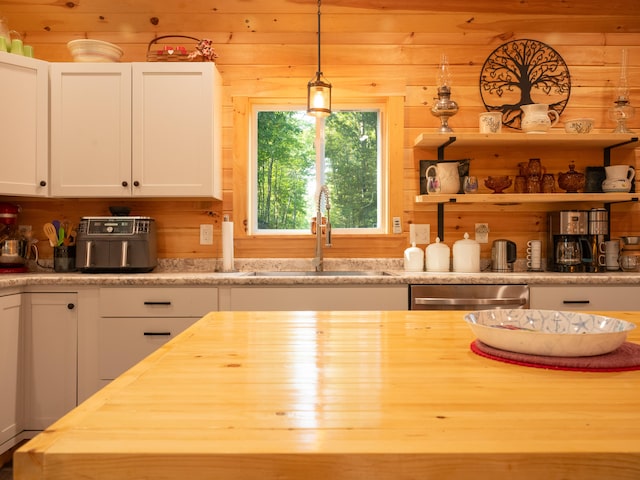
[{"x": 397, "y": 225}]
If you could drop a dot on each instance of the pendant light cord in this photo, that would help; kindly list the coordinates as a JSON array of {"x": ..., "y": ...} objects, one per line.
[{"x": 319, "y": 71}]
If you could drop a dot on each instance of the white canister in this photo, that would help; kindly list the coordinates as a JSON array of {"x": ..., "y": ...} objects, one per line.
[
  {"x": 466, "y": 255},
  {"x": 413, "y": 259},
  {"x": 438, "y": 256}
]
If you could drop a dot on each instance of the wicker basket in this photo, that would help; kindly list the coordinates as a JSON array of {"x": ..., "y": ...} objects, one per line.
[{"x": 173, "y": 48}]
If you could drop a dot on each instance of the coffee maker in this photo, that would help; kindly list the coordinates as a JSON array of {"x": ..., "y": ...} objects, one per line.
[
  {"x": 568, "y": 231},
  {"x": 594, "y": 259}
]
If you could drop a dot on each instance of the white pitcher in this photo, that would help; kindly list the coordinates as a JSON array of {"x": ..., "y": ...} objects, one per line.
[
  {"x": 536, "y": 118},
  {"x": 447, "y": 175},
  {"x": 618, "y": 179}
]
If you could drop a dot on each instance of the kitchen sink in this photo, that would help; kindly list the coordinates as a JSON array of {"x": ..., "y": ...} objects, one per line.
[{"x": 336, "y": 273}]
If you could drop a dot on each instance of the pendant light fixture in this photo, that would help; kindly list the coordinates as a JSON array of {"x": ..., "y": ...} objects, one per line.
[{"x": 318, "y": 88}]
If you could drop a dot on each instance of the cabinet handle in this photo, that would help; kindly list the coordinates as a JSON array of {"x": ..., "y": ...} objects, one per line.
[
  {"x": 157, "y": 334},
  {"x": 136, "y": 183},
  {"x": 125, "y": 184},
  {"x": 70, "y": 306},
  {"x": 570, "y": 302},
  {"x": 157, "y": 303},
  {"x": 43, "y": 183}
]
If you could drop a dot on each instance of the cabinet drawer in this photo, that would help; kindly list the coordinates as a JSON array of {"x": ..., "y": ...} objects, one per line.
[
  {"x": 585, "y": 297},
  {"x": 123, "y": 342},
  {"x": 158, "y": 301}
]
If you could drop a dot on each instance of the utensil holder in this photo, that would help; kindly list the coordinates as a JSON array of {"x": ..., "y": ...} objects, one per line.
[{"x": 64, "y": 258}]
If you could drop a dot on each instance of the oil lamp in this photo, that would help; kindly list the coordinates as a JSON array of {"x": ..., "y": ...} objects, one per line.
[
  {"x": 443, "y": 107},
  {"x": 621, "y": 111}
]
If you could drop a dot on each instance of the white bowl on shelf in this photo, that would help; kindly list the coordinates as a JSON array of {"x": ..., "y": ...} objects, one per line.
[
  {"x": 579, "y": 125},
  {"x": 87, "y": 50},
  {"x": 548, "y": 332}
]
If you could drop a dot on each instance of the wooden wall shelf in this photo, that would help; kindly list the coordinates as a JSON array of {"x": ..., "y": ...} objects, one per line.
[
  {"x": 556, "y": 140},
  {"x": 501, "y": 198}
]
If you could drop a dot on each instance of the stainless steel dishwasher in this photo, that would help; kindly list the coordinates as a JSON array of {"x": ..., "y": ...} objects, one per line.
[{"x": 467, "y": 297}]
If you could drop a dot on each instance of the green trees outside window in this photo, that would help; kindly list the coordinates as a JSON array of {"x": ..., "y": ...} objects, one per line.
[{"x": 285, "y": 169}]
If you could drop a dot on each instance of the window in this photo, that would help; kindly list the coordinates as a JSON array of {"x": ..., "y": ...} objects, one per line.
[{"x": 285, "y": 170}]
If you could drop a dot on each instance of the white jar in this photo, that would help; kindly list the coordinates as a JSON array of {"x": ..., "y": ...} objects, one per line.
[
  {"x": 438, "y": 257},
  {"x": 413, "y": 259},
  {"x": 466, "y": 255}
]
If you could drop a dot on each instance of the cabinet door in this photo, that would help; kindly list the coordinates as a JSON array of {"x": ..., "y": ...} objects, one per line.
[
  {"x": 176, "y": 129},
  {"x": 24, "y": 135},
  {"x": 51, "y": 357},
  {"x": 10, "y": 391},
  {"x": 584, "y": 297},
  {"x": 90, "y": 129}
]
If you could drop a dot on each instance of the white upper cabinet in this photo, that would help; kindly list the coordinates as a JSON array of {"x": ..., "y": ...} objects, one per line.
[
  {"x": 24, "y": 136},
  {"x": 141, "y": 129},
  {"x": 90, "y": 129},
  {"x": 176, "y": 129}
]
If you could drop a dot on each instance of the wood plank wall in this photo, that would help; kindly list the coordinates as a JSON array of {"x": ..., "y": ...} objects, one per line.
[{"x": 267, "y": 51}]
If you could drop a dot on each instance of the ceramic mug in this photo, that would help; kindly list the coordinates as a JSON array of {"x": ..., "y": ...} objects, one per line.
[
  {"x": 490, "y": 122},
  {"x": 611, "y": 254}
]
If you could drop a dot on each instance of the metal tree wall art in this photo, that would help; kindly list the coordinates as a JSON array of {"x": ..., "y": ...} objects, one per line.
[{"x": 521, "y": 72}]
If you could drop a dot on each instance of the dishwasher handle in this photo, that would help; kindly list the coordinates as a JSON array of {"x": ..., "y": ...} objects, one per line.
[{"x": 469, "y": 301}]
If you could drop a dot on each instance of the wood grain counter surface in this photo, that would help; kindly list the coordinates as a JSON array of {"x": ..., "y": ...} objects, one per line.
[{"x": 343, "y": 395}]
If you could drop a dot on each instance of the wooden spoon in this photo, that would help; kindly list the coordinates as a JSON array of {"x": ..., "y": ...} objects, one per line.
[{"x": 50, "y": 232}]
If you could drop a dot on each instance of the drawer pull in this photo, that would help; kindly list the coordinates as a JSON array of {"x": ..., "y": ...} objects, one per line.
[
  {"x": 571, "y": 302},
  {"x": 157, "y": 303},
  {"x": 157, "y": 334}
]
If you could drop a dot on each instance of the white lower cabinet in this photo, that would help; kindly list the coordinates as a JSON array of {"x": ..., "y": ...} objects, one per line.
[
  {"x": 50, "y": 360},
  {"x": 310, "y": 297},
  {"x": 134, "y": 322},
  {"x": 585, "y": 297},
  {"x": 10, "y": 388}
]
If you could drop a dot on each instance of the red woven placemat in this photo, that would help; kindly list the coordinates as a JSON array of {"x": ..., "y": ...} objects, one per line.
[{"x": 624, "y": 358}]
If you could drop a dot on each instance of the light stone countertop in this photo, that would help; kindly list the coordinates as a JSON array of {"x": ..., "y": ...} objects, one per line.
[{"x": 203, "y": 273}]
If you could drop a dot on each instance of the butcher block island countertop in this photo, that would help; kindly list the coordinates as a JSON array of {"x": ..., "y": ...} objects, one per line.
[{"x": 343, "y": 395}]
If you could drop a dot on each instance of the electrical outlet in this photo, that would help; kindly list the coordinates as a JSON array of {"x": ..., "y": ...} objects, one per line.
[
  {"x": 419, "y": 233},
  {"x": 482, "y": 232},
  {"x": 206, "y": 234},
  {"x": 397, "y": 225}
]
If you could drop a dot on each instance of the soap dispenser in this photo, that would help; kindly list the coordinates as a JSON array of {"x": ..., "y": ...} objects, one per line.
[{"x": 413, "y": 259}]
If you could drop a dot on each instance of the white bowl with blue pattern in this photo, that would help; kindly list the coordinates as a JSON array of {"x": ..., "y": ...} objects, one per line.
[{"x": 549, "y": 332}]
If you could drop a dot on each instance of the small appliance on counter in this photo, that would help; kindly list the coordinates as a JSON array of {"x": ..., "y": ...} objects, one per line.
[
  {"x": 503, "y": 255},
  {"x": 568, "y": 230},
  {"x": 14, "y": 247},
  {"x": 118, "y": 244}
]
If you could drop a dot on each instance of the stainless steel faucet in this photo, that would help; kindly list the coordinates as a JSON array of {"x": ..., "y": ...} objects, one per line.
[{"x": 318, "y": 260}]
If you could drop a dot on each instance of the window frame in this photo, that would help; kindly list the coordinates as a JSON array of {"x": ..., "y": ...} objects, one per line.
[{"x": 383, "y": 171}]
